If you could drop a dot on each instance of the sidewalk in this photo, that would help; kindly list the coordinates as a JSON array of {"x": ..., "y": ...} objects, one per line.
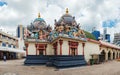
[{"x": 17, "y": 67}]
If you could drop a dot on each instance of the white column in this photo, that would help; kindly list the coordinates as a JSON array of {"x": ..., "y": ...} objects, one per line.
[
  {"x": 115, "y": 54},
  {"x": 106, "y": 55}
]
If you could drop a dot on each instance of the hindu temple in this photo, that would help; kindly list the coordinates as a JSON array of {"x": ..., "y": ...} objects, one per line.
[{"x": 64, "y": 45}]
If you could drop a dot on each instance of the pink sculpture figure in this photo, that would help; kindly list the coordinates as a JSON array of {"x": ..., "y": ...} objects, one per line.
[
  {"x": 26, "y": 33},
  {"x": 40, "y": 35}
]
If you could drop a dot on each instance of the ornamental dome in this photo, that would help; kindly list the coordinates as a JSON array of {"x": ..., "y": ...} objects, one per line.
[
  {"x": 38, "y": 24},
  {"x": 66, "y": 19}
]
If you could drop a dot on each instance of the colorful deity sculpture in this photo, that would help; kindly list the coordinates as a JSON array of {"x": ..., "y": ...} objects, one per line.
[
  {"x": 26, "y": 33},
  {"x": 36, "y": 35},
  {"x": 67, "y": 29},
  {"x": 39, "y": 29},
  {"x": 67, "y": 26},
  {"x": 42, "y": 35}
]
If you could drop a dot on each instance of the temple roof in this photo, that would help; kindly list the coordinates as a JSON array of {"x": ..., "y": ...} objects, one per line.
[
  {"x": 39, "y": 19},
  {"x": 103, "y": 43},
  {"x": 37, "y": 24},
  {"x": 66, "y": 18}
]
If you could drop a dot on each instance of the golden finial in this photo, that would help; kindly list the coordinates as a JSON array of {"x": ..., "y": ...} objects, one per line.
[
  {"x": 67, "y": 11},
  {"x": 38, "y": 15}
]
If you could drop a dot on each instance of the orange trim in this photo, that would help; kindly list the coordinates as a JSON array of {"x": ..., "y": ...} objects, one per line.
[
  {"x": 60, "y": 42},
  {"x": 69, "y": 46},
  {"x": 55, "y": 47},
  {"x": 91, "y": 40},
  {"x": 73, "y": 46},
  {"x": 102, "y": 43}
]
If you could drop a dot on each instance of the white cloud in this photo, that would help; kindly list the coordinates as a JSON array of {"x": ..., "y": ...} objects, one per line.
[{"x": 90, "y": 13}]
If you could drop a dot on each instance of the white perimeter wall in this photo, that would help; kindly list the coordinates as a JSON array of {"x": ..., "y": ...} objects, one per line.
[
  {"x": 89, "y": 49},
  {"x": 49, "y": 50},
  {"x": 31, "y": 49},
  {"x": 65, "y": 48}
]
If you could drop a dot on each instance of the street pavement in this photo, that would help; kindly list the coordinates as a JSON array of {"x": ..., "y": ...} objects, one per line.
[{"x": 17, "y": 67}]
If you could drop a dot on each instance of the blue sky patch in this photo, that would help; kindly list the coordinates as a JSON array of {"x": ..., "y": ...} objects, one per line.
[
  {"x": 2, "y": 3},
  {"x": 110, "y": 23}
]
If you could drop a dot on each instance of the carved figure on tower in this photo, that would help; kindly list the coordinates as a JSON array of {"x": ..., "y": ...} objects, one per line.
[{"x": 39, "y": 29}]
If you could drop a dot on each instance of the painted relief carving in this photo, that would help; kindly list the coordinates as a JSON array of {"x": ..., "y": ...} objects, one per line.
[{"x": 66, "y": 26}]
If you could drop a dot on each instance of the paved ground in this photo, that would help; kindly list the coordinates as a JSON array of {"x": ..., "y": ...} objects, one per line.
[{"x": 16, "y": 67}]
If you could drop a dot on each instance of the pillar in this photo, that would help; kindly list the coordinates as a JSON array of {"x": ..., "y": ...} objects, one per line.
[
  {"x": 60, "y": 42},
  {"x": 83, "y": 45},
  {"x": 36, "y": 45},
  {"x": 106, "y": 56},
  {"x": 26, "y": 45},
  {"x": 69, "y": 46},
  {"x": 45, "y": 49},
  {"x": 55, "y": 45},
  {"x": 111, "y": 55},
  {"x": 118, "y": 54},
  {"x": 115, "y": 54}
]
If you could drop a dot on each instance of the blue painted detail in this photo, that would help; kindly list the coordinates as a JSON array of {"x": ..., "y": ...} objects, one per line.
[
  {"x": 74, "y": 29},
  {"x": 55, "y": 34},
  {"x": 36, "y": 35},
  {"x": 70, "y": 34},
  {"x": 39, "y": 19}
]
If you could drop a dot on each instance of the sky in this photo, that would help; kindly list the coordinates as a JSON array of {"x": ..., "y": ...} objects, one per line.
[{"x": 89, "y": 13}]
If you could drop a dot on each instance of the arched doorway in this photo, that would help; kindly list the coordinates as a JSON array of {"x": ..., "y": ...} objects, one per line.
[
  {"x": 102, "y": 56},
  {"x": 113, "y": 55},
  {"x": 109, "y": 55}
]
